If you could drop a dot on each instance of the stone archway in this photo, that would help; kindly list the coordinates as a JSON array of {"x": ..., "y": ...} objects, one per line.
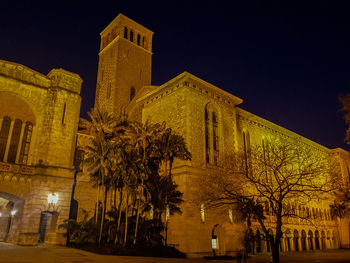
[
  {"x": 296, "y": 240},
  {"x": 310, "y": 240},
  {"x": 303, "y": 240},
  {"x": 323, "y": 240},
  {"x": 287, "y": 240},
  {"x": 317, "y": 240},
  {"x": 11, "y": 211}
]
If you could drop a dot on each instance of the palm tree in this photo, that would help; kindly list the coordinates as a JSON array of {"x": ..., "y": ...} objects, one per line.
[
  {"x": 100, "y": 153},
  {"x": 172, "y": 146}
]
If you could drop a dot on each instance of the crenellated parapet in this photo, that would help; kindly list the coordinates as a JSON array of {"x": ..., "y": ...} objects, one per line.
[
  {"x": 56, "y": 78},
  {"x": 64, "y": 79},
  {"x": 24, "y": 74}
]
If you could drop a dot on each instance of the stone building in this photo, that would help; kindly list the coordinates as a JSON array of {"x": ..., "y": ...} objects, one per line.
[
  {"x": 213, "y": 125},
  {"x": 39, "y": 128},
  {"x": 38, "y": 124}
]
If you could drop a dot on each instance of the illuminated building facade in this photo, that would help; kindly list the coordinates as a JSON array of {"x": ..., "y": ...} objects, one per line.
[
  {"x": 213, "y": 126},
  {"x": 38, "y": 122},
  {"x": 38, "y": 130}
]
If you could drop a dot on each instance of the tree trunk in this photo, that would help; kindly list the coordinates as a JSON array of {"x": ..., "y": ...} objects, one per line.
[
  {"x": 126, "y": 220},
  {"x": 97, "y": 204},
  {"x": 115, "y": 195},
  {"x": 275, "y": 251},
  {"x": 119, "y": 215},
  {"x": 102, "y": 217},
  {"x": 138, "y": 213}
]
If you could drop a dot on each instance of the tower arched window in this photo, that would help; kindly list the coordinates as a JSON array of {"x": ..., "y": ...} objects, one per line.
[
  {"x": 4, "y": 133},
  {"x": 211, "y": 135},
  {"x": 138, "y": 39},
  {"x": 16, "y": 134},
  {"x": 126, "y": 32},
  {"x": 131, "y": 36},
  {"x": 132, "y": 93}
]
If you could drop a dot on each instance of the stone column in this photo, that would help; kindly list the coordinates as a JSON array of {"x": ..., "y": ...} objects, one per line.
[
  {"x": 283, "y": 243},
  {"x": 291, "y": 242},
  {"x": 313, "y": 243},
  {"x": 307, "y": 244},
  {"x": 299, "y": 244},
  {"x": 9, "y": 141}
]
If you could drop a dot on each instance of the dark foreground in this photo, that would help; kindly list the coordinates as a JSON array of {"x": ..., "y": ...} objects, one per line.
[{"x": 51, "y": 254}]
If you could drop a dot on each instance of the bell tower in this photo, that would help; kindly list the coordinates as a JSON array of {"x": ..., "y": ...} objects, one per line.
[{"x": 124, "y": 66}]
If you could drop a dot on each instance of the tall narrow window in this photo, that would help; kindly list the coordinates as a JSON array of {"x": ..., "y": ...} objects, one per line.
[
  {"x": 126, "y": 32},
  {"x": 215, "y": 138},
  {"x": 132, "y": 93},
  {"x": 4, "y": 133},
  {"x": 27, "y": 136},
  {"x": 131, "y": 36},
  {"x": 265, "y": 147},
  {"x": 211, "y": 135},
  {"x": 207, "y": 142},
  {"x": 143, "y": 41},
  {"x": 16, "y": 134},
  {"x": 64, "y": 112},
  {"x": 138, "y": 39},
  {"x": 109, "y": 90},
  {"x": 246, "y": 148}
]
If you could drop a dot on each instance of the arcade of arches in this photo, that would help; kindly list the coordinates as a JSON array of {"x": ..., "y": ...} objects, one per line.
[{"x": 298, "y": 240}]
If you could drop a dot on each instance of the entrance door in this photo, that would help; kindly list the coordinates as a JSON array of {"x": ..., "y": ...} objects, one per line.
[
  {"x": 43, "y": 226},
  {"x": 5, "y": 223}
]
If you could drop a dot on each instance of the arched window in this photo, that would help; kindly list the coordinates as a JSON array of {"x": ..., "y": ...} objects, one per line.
[
  {"x": 215, "y": 138},
  {"x": 246, "y": 148},
  {"x": 16, "y": 134},
  {"x": 126, "y": 32},
  {"x": 143, "y": 41},
  {"x": 132, "y": 93},
  {"x": 207, "y": 142},
  {"x": 211, "y": 135},
  {"x": 138, "y": 39},
  {"x": 131, "y": 36},
  {"x": 4, "y": 133}
]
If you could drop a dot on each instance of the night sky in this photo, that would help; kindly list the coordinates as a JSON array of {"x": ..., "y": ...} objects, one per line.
[{"x": 287, "y": 60}]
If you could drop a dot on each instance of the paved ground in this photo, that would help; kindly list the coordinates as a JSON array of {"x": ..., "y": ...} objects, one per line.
[{"x": 48, "y": 254}]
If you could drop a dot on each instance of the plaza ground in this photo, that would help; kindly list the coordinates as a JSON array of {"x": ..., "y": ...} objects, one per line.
[{"x": 53, "y": 254}]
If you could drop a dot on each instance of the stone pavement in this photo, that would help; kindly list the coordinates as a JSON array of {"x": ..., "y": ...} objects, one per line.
[{"x": 53, "y": 254}]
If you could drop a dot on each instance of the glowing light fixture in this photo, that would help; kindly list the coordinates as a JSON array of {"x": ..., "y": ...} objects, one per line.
[
  {"x": 202, "y": 213},
  {"x": 13, "y": 212},
  {"x": 52, "y": 199},
  {"x": 230, "y": 215}
]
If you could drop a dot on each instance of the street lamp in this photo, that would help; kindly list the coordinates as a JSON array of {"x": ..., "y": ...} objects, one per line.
[{"x": 52, "y": 199}]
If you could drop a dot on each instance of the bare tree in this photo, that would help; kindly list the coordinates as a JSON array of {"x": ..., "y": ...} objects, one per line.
[{"x": 278, "y": 173}]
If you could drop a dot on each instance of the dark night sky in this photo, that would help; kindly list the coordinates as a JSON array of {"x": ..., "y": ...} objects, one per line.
[{"x": 287, "y": 60}]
